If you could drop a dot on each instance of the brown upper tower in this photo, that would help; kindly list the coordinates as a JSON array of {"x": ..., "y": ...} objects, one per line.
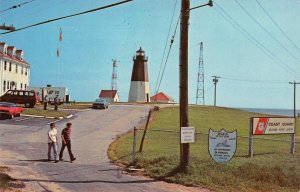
[{"x": 140, "y": 69}]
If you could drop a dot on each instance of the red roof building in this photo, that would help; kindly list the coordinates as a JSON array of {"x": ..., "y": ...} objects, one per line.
[
  {"x": 162, "y": 98},
  {"x": 110, "y": 95}
]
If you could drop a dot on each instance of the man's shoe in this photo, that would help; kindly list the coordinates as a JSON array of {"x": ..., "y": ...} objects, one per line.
[
  {"x": 61, "y": 159},
  {"x": 56, "y": 161},
  {"x": 73, "y": 160},
  {"x": 49, "y": 159}
]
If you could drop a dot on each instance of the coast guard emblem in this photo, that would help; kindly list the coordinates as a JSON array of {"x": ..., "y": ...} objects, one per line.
[{"x": 222, "y": 145}]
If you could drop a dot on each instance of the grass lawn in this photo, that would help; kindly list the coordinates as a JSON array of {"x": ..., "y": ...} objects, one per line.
[
  {"x": 77, "y": 105},
  {"x": 47, "y": 113},
  {"x": 273, "y": 168}
]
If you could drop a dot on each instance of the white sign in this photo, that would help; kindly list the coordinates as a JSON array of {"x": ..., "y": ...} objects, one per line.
[
  {"x": 270, "y": 125},
  {"x": 187, "y": 134},
  {"x": 222, "y": 145}
]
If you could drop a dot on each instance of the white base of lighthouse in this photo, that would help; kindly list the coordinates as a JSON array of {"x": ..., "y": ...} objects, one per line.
[{"x": 139, "y": 92}]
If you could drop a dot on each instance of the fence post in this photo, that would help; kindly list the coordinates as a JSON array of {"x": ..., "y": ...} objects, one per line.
[
  {"x": 251, "y": 138},
  {"x": 134, "y": 147},
  {"x": 145, "y": 130}
]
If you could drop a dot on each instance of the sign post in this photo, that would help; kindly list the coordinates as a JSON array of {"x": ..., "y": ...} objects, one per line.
[
  {"x": 271, "y": 126},
  {"x": 251, "y": 140}
]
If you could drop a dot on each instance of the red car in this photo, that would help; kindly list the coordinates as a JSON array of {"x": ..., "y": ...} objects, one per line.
[{"x": 10, "y": 110}]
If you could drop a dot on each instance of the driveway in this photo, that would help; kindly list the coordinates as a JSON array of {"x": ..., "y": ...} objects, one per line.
[{"x": 24, "y": 149}]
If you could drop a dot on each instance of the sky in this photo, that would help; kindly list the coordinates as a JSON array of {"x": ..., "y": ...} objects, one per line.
[{"x": 253, "y": 45}]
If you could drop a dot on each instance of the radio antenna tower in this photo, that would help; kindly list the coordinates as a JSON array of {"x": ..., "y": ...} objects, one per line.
[
  {"x": 200, "y": 80},
  {"x": 114, "y": 75}
]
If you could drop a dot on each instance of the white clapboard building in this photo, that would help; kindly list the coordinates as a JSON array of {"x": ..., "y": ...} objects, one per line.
[{"x": 14, "y": 70}]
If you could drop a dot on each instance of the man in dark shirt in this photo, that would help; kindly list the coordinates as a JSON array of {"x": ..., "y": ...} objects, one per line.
[{"x": 66, "y": 141}]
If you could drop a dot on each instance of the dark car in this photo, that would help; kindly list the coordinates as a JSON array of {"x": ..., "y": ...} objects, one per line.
[
  {"x": 10, "y": 110},
  {"x": 28, "y": 98},
  {"x": 100, "y": 104}
]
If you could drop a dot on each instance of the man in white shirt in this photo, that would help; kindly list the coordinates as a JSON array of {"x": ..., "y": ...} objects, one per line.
[{"x": 52, "y": 142}]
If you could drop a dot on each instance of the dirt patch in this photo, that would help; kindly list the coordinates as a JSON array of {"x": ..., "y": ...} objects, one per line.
[{"x": 21, "y": 177}]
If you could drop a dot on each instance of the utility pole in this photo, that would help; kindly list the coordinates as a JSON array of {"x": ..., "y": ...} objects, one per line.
[
  {"x": 215, "y": 80},
  {"x": 183, "y": 75},
  {"x": 183, "y": 66},
  {"x": 293, "y": 137},
  {"x": 200, "y": 80}
]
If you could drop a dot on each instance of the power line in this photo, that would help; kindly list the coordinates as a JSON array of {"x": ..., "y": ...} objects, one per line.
[
  {"x": 167, "y": 40},
  {"x": 73, "y": 15},
  {"x": 16, "y": 6},
  {"x": 254, "y": 81},
  {"x": 275, "y": 23},
  {"x": 265, "y": 30},
  {"x": 166, "y": 61},
  {"x": 248, "y": 36},
  {"x": 42, "y": 8}
]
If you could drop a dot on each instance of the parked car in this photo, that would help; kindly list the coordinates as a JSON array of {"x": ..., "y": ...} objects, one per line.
[
  {"x": 10, "y": 109},
  {"x": 100, "y": 104},
  {"x": 28, "y": 98}
]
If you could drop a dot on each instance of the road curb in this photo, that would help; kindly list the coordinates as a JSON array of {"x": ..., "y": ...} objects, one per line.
[
  {"x": 39, "y": 116},
  {"x": 69, "y": 116}
]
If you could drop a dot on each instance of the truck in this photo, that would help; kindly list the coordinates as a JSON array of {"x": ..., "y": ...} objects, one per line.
[{"x": 52, "y": 92}]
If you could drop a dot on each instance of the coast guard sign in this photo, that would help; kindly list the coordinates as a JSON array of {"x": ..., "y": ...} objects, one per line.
[{"x": 222, "y": 145}]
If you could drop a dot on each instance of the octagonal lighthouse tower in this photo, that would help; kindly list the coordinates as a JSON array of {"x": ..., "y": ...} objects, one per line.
[{"x": 139, "y": 87}]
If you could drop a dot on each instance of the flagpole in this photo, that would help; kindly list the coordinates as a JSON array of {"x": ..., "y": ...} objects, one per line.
[
  {"x": 58, "y": 52},
  {"x": 58, "y": 55}
]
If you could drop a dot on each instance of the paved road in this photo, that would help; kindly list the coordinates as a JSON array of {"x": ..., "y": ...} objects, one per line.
[{"x": 25, "y": 147}]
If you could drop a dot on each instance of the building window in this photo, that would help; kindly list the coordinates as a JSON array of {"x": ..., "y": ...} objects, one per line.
[
  {"x": 4, "y": 86},
  {"x": 7, "y": 84},
  {"x": 5, "y": 65},
  {"x": 16, "y": 68},
  {"x": 21, "y": 86},
  {"x": 9, "y": 66},
  {"x": 22, "y": 71},
  {"x": 26, "y": 71},
  {"x": 25, "y": 86}
]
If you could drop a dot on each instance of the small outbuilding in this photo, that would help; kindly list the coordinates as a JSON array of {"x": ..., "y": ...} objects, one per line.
[
  {"x": 161, "y": 97},
  {"x": 110, "y": 95}
]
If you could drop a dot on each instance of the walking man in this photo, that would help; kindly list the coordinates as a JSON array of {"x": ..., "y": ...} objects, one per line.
[
  {"x": 66, "y": 141},
  {"x": 56, "y": 102},
  {"x": 52, "y": 142}
]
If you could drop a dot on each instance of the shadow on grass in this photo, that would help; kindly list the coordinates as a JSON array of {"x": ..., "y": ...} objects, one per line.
[
  {"x": 257, "y": 154},
  {"x": 122, "y": 157}
]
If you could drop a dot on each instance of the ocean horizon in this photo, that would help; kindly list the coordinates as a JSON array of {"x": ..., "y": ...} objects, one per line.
[{"x": 283, "y": 112}]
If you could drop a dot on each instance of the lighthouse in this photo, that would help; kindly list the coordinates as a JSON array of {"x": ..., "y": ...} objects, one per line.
[{"x": 139, "y": 87}]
